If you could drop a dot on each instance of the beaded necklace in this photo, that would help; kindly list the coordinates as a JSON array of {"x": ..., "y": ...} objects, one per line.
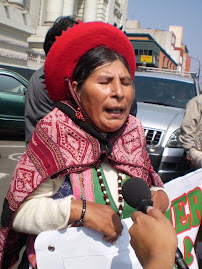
[{"x": 105, "y": 195}]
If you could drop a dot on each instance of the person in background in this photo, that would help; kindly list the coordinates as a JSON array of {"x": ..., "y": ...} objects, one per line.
[
  {"x": 153, "y": 239},
  {"x": 84, "y": 150},
  {"x": 191, "y": 132},
  {"x": 37, "y": 102}
]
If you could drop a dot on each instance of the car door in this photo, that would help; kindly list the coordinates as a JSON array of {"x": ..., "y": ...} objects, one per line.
[{"x": 12, "y": 98}]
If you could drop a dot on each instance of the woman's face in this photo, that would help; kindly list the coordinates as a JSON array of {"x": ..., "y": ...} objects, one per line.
[{"x": 107, "y": 95}]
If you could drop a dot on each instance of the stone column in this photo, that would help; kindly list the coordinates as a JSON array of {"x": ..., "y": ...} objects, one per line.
[
  {"x": 68, "y": 9},
  {"x": 90, "y": 10},
  {"x": 54, "y": 10}
]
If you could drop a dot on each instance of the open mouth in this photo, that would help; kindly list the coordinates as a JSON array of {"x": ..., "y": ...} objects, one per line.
[{"x": 115, "y": 111}]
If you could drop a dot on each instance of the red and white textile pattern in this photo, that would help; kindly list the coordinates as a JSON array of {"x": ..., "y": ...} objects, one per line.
[{"x": 59, "y": 147}]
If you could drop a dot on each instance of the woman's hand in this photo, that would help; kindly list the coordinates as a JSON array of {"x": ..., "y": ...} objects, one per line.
[
  {"x": 100, "y": 218},
  {"x": 103, "y": 219},
  {"x": 160, "y": 200}
]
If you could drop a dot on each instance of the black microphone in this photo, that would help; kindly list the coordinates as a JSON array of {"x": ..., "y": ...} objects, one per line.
[{"x": 137, "y": 194}]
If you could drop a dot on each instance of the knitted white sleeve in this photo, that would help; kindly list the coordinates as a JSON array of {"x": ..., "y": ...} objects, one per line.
[{"x": 40, "y": 212}]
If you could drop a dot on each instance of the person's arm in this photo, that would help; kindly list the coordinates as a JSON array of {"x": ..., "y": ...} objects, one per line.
[
  {"x": 190, "y": 123},
  {"x": 153, "y": 239},
  {"x": 40, "y": 213}
]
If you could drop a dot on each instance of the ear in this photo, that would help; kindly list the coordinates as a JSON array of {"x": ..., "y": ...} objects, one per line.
[{"x": 76, "y": 90}]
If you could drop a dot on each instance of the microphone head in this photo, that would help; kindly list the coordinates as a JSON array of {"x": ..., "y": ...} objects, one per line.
[{"x": 137, "y": 194}]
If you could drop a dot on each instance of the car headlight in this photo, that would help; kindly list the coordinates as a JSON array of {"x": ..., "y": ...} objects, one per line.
[{"x": 173, "y": 141}]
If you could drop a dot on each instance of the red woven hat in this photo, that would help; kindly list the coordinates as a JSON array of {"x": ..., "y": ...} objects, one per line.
[{"x": 73, "y": 44}]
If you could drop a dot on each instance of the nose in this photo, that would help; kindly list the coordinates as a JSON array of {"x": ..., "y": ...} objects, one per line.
[{"x": 117, "y": 89}]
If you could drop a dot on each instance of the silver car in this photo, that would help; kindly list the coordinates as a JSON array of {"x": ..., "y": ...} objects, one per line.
[{"x": 162, "y": 96}]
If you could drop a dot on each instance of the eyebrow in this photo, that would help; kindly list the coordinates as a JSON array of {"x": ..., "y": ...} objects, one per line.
[{"x": 108, "y": 75}]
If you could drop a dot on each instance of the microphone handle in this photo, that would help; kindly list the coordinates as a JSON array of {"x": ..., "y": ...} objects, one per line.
[{"x": 179, "y": 261}]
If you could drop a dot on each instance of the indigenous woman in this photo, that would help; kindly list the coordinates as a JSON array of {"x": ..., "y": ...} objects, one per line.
[{"x": 82, "y": 152}]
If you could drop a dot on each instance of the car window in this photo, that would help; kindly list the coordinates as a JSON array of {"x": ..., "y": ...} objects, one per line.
[
  {"x": 11, "y": 85},
  {"x": 163, "y": 91}
]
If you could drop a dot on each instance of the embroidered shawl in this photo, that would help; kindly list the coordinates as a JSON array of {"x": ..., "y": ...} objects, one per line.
[{"x": 59, "y": 147}]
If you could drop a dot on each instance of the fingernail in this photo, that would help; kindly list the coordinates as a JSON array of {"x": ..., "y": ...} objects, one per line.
[{"x": 150, "y": 207}]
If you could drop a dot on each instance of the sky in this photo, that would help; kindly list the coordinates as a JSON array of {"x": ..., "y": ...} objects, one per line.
[{"x": 160, "y": 14}]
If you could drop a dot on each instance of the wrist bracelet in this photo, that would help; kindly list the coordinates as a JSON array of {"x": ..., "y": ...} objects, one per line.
[{"x": 83, "y": 212}]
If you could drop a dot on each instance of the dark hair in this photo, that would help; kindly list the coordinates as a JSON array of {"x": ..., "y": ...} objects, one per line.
[
  {"x": 94, "y": 58},
  {"x": 60, "y": 24}
]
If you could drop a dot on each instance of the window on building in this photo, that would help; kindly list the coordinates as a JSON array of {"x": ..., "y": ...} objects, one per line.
[
  {"x": 141, "y": 52},
  {"x": 117, "y": 3},
  {"x": 136, "y": 52}
]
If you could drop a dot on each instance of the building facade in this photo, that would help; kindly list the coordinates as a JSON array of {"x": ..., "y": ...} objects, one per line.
[
  {"x": 172, "y": 53},
  {"x": 149, "y": 53},
  {"x": 24, "y": 24}
]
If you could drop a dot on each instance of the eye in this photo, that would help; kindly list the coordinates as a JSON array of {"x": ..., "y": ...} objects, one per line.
[
  {"x": 125, "y": 83},
  {"x": 104, "y": 82}
]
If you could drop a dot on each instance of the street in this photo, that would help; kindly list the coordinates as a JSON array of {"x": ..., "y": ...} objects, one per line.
[{"x": 11, "y": 148}]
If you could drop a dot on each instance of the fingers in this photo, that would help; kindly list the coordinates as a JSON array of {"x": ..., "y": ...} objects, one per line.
[
  {"x": 155, "y": 213},
  {"x": 136, "y": 214},
  {"x": 117, "y": 225},
  {"x": 158, "y": 218},
  {"x": 113, "y": 231},
  {"x": 148, "y": 236},
  {"x": 151, "y": 212},
  {"x": 110, "y": 239},
  {"x": 104, "y": 220},
  {"x": 160, "y": 200}
]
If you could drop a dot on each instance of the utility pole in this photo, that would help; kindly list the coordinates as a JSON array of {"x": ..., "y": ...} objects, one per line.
[{"x": 199, "y": 66}]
